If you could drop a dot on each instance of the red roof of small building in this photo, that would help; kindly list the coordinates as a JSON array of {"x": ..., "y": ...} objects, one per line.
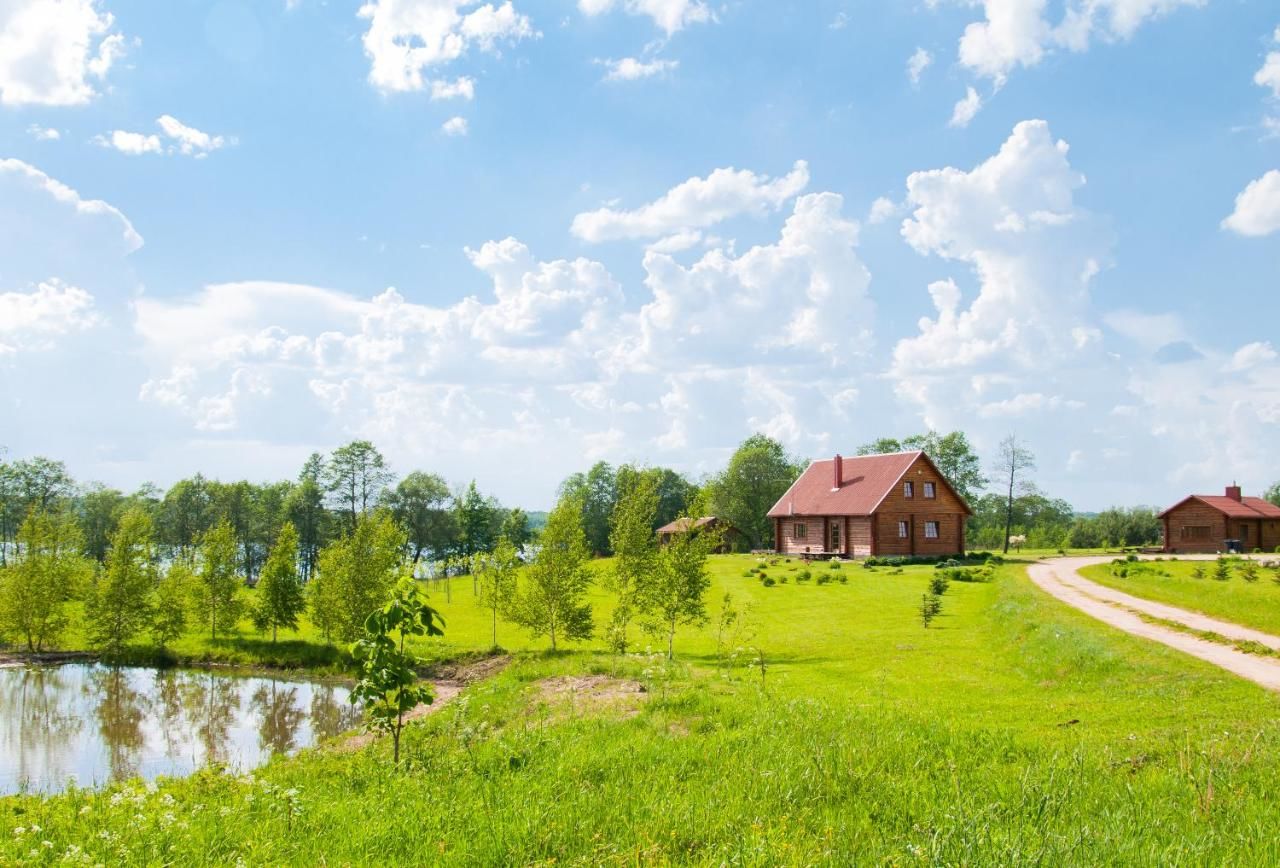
[
  {"x": 865, "y": 481},
  {"x": 1245, "y": 507}
]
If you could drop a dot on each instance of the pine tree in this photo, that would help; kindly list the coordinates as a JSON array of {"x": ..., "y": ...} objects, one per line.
[
  {"x": 280, "y": 599},
  {"x": 120, "y": 606},
  {"x": 552, "y": 602}
]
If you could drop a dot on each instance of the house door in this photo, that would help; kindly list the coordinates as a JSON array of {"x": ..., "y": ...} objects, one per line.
[{"x": 834, "y": 542}]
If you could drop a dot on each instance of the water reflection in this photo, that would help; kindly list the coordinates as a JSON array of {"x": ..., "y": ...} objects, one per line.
[{"x": 152, "y": 722}]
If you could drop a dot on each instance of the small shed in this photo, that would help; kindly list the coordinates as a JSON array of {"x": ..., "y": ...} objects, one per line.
[{"x": 729, "y": 533}]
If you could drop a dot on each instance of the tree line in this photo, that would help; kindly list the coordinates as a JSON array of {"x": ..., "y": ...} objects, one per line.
[{"x": 324, "y": 501}]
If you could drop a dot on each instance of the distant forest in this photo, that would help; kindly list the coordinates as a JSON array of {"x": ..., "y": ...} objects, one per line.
[{"x": 449, "y": 524}]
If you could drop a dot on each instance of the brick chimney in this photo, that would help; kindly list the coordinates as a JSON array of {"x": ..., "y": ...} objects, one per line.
[
  {"x": 838, "y": 475},
  {"x": 1233, "y": 492}
]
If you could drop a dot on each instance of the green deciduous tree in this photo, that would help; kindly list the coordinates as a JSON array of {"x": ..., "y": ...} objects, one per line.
[
  {"x": 185, "y": 514},
  {"x": 952, "y": 453},
  {"x": 759, "y": 473},
  {"x": 388, "y": 687},
  {"x": 45, "y": 574},
  {"x": 496, "y": 573},
  {"x": 675, "y": 593},
  {"x": 356, "y": 572},
  {"x": 478, "y": 519},
  {"x": 552, "y": 601},
  {"x": 635, "y": 549},
  {"x": 515, "y": 528},
  {"x": 169, "y": 600},
  {"x": 355, "y": 477},
  {"x": 420, "y": 503},
  {"x": 1273, "y": 494},
  {"x": 304, "y": 506},
  {"x": 99, "y": 510},
  {"x": 217, "y": 597},
  {"x": 279, "y": 593},
  {"x": 119, "y": 607}
]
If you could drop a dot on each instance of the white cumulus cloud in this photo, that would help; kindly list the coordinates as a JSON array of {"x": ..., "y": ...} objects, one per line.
[
  {"x": 695, "y": 204},
  {"x": 34, "y": 320},
  {"x": 406, "y": 37},
  {"x": 1014, "y": 222},
  {"x": 53, "y": 51},
  {"x": 632, "y": 69},
  {"x": 966, "y": 109},
  {"x": 1257, "y": 210},
  {"x": 917, "y": 64},
  {"x": 670, "y": 15},
  {"x": 455, "y": 126},
  {"x": 1017, "y": 33},
  {"x": 182, "y": 139}
]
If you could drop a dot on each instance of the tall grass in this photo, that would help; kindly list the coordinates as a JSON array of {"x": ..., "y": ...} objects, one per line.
[{"x": 1013, "y": 731}]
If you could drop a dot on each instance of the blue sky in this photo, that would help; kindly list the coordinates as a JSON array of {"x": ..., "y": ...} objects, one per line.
[{"x": 505, "y": 240}]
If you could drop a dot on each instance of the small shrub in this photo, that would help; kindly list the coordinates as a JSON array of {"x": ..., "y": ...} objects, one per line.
[
  {"x": 782, "y": 580},
  {"x": 805, "y": 575},
  {"x": 1249, "y": 572},
  {"x": 768, "y": 582},
  {"x": 1197, "y": 572},
  {"x": 844, "y": 580},
  {"x": 835, "y": 565},
  {"x": 896, "y": 572},
  {"x": 930, "y": 607},
  {"x": 748, "y": 574},
  {"x": 824, "y": 579},
  {"x": 938, "y": 584},
  {"x": 1131, "y": 558},
  {"x": 1222, "y": 569}
]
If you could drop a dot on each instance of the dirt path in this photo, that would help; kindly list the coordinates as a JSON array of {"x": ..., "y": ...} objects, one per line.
[
  {"x": 1061, "y": 578},
  {"x": 446, "y": 689}
]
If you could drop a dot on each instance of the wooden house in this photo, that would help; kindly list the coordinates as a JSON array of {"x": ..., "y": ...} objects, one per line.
[
  {"x": 728, "y": 533},
  {"x": 1204, "y": 523},
  {"x": 896, "y": 504}
]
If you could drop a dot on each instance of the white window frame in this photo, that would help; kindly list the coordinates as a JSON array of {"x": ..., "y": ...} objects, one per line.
[
  {"x": 904, "y": 529},
  {"x": 908, "y": 489},
  {"x": 800, "y": 530},
  {"x": 931, "y": 530},
  {"x": 930, "y": 491}
]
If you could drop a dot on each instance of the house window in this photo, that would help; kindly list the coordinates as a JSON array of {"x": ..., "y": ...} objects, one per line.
[
  {"x": 903, "y": 528},
  {"x": 1195, "y": 532},
  {"x": 801, "y": 531},
  {"x": 930, "y": 530},
  {"x": 1244, "y": 531},
  {"x": 908, "y": 489},
  {"x": 930, "y": 491}
]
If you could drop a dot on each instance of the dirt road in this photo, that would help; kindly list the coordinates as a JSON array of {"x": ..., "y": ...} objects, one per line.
[{"x": 1061, "y": 578}]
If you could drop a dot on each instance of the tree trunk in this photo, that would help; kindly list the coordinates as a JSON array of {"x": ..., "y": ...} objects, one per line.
[
  {"x": 1008, "y": 513},
  {"x": 273, "y": 634},
  {"x": 495, "y": 626}
]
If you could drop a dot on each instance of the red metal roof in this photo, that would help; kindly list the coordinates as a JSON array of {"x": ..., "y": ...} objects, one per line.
[
  {"x": 1245, "y": 507},
  {"x": 865, "y": 481}
]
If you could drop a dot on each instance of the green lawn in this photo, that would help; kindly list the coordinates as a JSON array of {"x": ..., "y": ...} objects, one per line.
[
  {"x": 1251, "y": 604},
  {"x": 1014, "y": 730}
]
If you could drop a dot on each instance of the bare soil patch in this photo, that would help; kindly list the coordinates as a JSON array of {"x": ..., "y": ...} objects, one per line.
[
  {"x": 451, "y": 681},
  {"x": 581, "y": 695}
]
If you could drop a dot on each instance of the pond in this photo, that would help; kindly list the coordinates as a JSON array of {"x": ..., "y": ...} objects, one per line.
[{"x": 91, "y": 724}]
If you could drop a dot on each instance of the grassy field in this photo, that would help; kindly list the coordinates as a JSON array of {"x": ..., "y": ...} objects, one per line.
[
  {"x": 1251, "y": 604},
  {"x": 1013, "y": 730}
]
